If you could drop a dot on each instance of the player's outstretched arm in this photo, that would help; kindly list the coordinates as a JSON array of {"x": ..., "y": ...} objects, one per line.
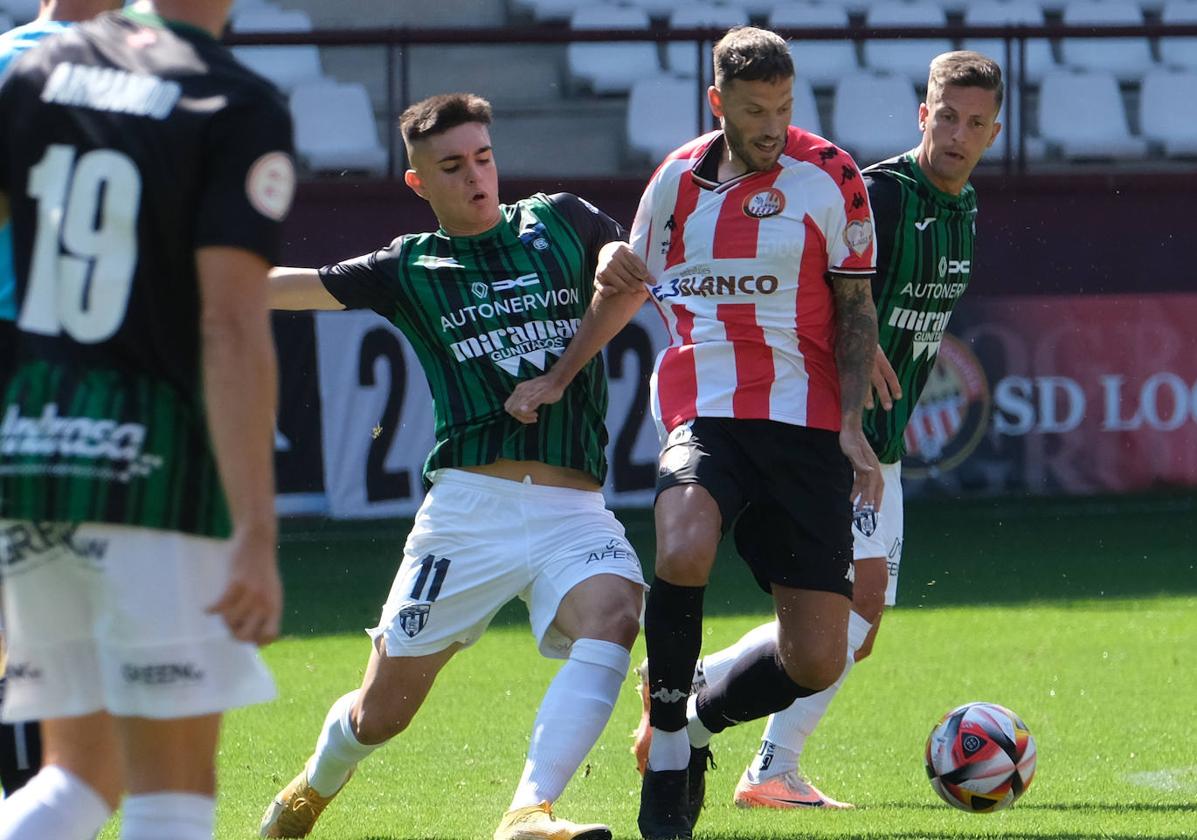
[
  {"x": 855, "y": 354},
  {"x": 299, "y": 288},
  {"x": 605, "y": 317},
  {"x": 240, "y": 387}
]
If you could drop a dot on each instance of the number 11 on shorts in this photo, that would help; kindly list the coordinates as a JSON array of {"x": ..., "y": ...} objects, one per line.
[{"x": 428, "y": 563}]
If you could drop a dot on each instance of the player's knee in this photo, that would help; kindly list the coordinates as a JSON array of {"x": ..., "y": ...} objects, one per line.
[
  {"x": 812, "y": 669},
  {"x": 685, "y": 562},
  {"x": 377, "y": 725},
  {"x": 617, "y": 620}
]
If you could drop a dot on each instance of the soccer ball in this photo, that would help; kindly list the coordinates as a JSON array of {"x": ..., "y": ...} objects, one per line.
[{"x": 980, "y": 757}]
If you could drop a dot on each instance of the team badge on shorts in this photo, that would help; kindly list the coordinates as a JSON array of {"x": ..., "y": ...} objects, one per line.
[
  {"x": 413, "y": 618},
  {"x": 864, "y": 519}
]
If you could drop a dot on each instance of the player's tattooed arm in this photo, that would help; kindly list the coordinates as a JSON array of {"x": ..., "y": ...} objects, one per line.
[
  {"x": 855, "y": 349},
  {"x": 855, "y": 339}
]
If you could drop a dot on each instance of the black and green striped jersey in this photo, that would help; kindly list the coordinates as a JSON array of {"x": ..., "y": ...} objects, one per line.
[
  {"x": 925, "y": 243},
  {"x": 126, "y": 145},
  {"x": 485, "y": 312}
]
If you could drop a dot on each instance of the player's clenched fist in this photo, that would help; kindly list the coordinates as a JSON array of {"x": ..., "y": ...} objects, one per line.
[
  {"x": 620, "y": 270},
  {"x": 530, "y": 395}
]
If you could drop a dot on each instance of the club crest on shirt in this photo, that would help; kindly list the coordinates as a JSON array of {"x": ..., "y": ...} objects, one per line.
[{"x": 764, "y": 203}]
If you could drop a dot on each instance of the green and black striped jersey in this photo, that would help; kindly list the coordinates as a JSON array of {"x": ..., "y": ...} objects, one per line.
[
  {"x": 925, "y": 243},
  {"x": 126, "y": 145},
  {"x": 485, "y": 312}
]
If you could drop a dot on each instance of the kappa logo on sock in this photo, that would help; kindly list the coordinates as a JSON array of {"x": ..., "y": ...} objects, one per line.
[{"x": 669, "y": 696}]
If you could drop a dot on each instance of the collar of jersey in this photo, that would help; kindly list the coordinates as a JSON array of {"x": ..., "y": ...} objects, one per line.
[
  {"x": 718, "y": 186},
  {"x": 150, "y": 19},
  {"x": 946, "y": 198},
  {"x": 489, "y": 233}
]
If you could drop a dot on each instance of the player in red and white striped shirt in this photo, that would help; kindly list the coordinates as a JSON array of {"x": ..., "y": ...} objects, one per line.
[{"x": 755, "y": 243}]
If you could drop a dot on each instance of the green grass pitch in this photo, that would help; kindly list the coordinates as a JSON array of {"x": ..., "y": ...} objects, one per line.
[{"x": 1081, "y": 615}]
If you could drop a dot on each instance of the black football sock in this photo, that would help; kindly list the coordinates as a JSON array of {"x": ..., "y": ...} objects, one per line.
[
  {"x": 756, "y": 687},
  {"x": 673, "y": 635}
]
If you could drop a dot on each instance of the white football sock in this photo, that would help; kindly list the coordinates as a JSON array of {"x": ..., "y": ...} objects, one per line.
[
  {"x": 669, "y": 750},
  {"x": 699, "y": 735},
  {"x": 338, "y": 750},
  {"x": 572, "y": 715},
  {"x": 179, "y": 816},
  {"x": 786, "y": 732},
  {"x": 55, "y": 803},
  {"x": 717, "y": 666}
]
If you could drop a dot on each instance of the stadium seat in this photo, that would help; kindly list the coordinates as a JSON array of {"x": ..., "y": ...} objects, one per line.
[
  {"x": 1127, "y": 58},
  {"x": 335, "y": 128},
  {"x": 822, "y": 62},
  {"x": 657, "y": 8},
  {"x": 806, "y": 110},
  {"x": 611, "y": 67},
  {"x": 662, "y": 115},
  {"x": 1082, "y": 115},
  {"x": 555, "y": 10},
  {"x": 875, "y": 116},
  {"x": 288, "y": 66},
  {"x": 1168, "y": 111},
  {"x": 1040, "y": 60},
  {"x": 681, "y": 56},
  {"x": 21, "y": 11},
  {"x": 907, "y": 57},
  {"x": 1179, "y": 52}
]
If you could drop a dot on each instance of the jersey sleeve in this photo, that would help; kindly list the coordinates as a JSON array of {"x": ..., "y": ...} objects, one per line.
[
  {"x": 642, "y": 227},
  {"x": 366, "y": 282},
  {"x": 594, "y": 227},
  {"x": 251, "y": 178},
  {"x": 885, "y": 196},
  {"x": 850, "y": 247}
]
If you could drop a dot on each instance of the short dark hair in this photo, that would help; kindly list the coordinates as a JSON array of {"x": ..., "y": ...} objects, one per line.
[
  {"x": 965, "y": 68},
  {"x": 437, "y": 114},
  {"x": 753, "y": 55}
]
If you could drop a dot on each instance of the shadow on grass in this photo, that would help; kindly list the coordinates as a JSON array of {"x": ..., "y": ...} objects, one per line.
[{"x": 999, "y": 552}]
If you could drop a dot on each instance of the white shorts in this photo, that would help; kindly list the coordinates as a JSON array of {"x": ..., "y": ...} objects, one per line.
[
  {"x": 111, "y": 618},
  {"x": 478, "y": 542},
  {"x": 882, "y": 537}
]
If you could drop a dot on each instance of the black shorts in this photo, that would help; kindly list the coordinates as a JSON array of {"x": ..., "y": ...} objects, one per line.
[{"x": 785, "y": 489}]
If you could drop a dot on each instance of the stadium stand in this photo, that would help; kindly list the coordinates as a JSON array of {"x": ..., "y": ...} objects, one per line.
[
  {"x": 1127, "y": 58},
  {"x": 611, "y": 67},
  {"x": 822, "y": 62},
  {"x": 1039, "y": 61},
  {"x": 6, "y": 22},
  {"x": 550, "y": 96},
  {"x": 1082, "y": 115},
  {"x": 1179, "y": 52},
  {"x": 875, "y": 116},
  {"x": 335, "y": 128},
  {"x": 662, "y": 115},
  {"x": 1168, "y": 111},
  {"x": 907, "y": 57},
  {"x": 806, "y": 109},
  {"x": 680, "y": 57},
  {"x": 287, "y": 66}
]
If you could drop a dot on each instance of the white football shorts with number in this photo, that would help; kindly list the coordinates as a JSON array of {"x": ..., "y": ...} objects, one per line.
[
  {"x": 114, "y": 618},
  {"x": 881, "y": 535},
  {"x": 478, "y": 542}
]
